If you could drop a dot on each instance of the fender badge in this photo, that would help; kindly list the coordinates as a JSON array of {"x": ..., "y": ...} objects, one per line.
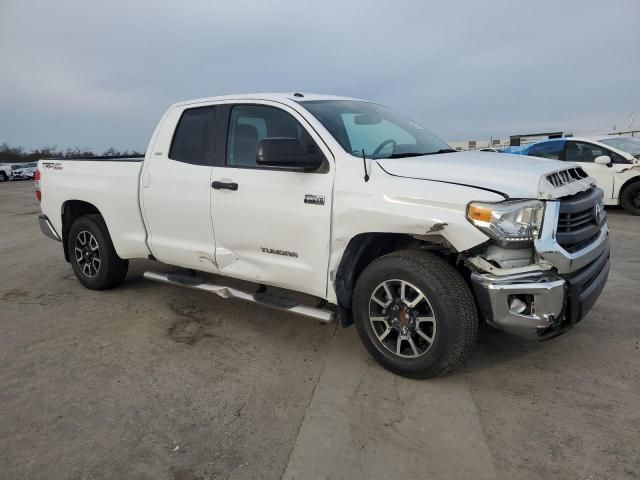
[{"x": 314, "y": 199}]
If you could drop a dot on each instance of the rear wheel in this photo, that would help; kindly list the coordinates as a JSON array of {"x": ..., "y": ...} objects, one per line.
[
  {"x": 93, "y": 259},
  {"x": 415, "y": 314},
  {"x": 3, "y": 177},
  {"x": 630, "y": 200}
]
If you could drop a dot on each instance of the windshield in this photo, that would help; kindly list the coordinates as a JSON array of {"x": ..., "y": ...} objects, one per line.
[
  {"x": 626, "y": 144},
  {"x": 378, "y": 130}
]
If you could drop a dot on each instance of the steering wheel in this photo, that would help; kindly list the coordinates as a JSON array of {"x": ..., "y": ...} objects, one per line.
[{"x": 389, "y": 141}]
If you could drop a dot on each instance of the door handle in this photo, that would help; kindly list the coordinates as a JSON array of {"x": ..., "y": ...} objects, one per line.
[{"x": 224, "y": 185}]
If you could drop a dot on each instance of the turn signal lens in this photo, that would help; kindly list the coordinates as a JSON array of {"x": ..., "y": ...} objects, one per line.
[{"x": 479, "y": 213}]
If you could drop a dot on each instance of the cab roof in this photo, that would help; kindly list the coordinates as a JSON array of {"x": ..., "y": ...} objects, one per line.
[{"x": 277, "y": 97}]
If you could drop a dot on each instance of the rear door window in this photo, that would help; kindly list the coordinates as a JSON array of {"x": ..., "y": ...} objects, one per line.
[
  {"x": 552, "y": 150},
  {"x": 193, "y": 138}
]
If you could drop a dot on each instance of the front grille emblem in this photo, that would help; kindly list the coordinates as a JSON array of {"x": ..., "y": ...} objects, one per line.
[{"x": 598, "y": 212}]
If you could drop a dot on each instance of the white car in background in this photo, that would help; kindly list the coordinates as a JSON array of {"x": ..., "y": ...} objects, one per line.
[
  {"x": 612, "y": 161},
  {"x": 26, "y": 171},
  {"x": 5, "y": 172}
]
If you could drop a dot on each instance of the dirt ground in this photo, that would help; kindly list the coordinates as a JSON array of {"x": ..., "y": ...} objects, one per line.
[{"x": 150, "y": 381}]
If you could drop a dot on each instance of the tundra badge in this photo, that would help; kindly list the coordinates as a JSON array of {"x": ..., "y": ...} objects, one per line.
[{"x": 286, "y": 253}]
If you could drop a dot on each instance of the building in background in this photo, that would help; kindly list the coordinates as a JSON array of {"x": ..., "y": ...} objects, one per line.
[{"x": 528, "y": 138}]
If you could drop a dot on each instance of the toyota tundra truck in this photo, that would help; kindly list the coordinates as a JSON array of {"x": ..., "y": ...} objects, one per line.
[{"x": 375, "y": 219}]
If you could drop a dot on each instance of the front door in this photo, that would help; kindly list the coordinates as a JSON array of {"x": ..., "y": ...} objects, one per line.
[
  {"x": 272, "y": 225},
  {"x": 176, "y": 190},
  {"x": 584, "y": 154}
]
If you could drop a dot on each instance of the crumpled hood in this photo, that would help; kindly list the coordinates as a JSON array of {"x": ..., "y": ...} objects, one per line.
[{"x": 516, "y": 176}]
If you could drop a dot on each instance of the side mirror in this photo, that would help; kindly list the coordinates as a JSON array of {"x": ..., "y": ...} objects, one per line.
[
  {"x": 603, "y": 160},
  {"x": 286, "y": 153}
]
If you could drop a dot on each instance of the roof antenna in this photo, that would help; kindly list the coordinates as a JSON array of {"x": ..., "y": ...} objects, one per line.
[{"x": 364, "y": 165}]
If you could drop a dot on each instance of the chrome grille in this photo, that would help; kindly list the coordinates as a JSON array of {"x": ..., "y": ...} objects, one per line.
[{"x": 558, "y": 179}]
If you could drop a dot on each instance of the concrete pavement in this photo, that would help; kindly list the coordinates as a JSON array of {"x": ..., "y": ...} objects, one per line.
[{"x": 155, "y": 382}]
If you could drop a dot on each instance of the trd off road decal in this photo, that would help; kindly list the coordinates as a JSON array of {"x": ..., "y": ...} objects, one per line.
[{"x": 52, "y": 165}]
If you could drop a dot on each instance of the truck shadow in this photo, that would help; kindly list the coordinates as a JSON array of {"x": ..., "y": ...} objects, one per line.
[
  {"x": 494, "y": 348},
  {"x": 193, "y": 319}
]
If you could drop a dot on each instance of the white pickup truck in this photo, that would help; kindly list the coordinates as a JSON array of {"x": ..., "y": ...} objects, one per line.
[{"x": 346, "y": 201}]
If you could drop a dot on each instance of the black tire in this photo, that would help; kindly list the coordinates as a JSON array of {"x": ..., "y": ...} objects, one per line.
[
  {"x": 448, "y": 297},
  {"x": 630, "y": 199},
  {"x": 111, "y": 270},
  {"x": 3, "y": 177}
]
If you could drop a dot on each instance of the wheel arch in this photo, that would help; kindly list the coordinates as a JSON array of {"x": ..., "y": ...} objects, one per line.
[
  {"x": 363, "y": 249},
  {"x": 71, "y": 211},
  {"x": 627, "y": 184}
]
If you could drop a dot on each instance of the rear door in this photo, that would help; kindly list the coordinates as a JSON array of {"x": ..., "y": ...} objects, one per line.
[
  {"x": 272, "y": 224},
  {"x": 176, "y": 189}
]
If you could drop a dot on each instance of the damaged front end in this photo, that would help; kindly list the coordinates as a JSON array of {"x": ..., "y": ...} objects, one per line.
[
  {"x": 517, "y": 291},
  {"x": 541, "y": 275}
]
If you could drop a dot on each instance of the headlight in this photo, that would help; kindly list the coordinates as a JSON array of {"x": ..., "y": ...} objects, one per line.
[{"x": 510, "y": 221}]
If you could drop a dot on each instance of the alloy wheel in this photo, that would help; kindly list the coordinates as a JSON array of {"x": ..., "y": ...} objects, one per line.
[
  {"x": 87, "y": 253},
  {"x": 402, "y": 318}
]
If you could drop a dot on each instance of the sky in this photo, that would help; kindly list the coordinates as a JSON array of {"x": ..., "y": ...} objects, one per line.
[{"x": 100, "y": 74}]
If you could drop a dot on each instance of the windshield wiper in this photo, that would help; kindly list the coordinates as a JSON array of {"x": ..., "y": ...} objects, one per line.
[
  {"x": 405, "y": 155},
  {"x": 416, "y": 154},
  {"x": 443, "y": 150}
]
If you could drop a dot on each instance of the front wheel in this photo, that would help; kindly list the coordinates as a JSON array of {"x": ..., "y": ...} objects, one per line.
[
  {"x": 3, "y": 177},
  {"x": 630, "y": 200},
  {"x": 94, "y": 260},
  {"x": 415, "y": 314}
]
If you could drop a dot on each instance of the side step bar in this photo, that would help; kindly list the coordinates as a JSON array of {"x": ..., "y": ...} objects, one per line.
[{"x": 325, "y": 316}]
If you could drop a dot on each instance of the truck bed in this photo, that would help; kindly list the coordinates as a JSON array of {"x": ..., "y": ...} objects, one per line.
[{"x": 110, "y": 184}]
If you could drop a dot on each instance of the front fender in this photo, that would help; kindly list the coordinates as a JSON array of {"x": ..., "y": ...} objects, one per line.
[{"x": 418, "y": 208}]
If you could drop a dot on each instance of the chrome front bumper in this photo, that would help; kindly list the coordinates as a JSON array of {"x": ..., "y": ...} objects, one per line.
[
  {"x": 47, "y": 228},
  {"x": 545, "y": 293},
  {"x": 554, "y": 302}
]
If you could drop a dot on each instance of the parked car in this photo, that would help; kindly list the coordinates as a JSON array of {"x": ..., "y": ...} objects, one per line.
[
  {"x": 375, "y": 218},
  {"x": 616, "y": 171},
  {"x": 14, "y": 167},
  {"x": 5, "y": 172},
  {"x": 25, "y": 171}
]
